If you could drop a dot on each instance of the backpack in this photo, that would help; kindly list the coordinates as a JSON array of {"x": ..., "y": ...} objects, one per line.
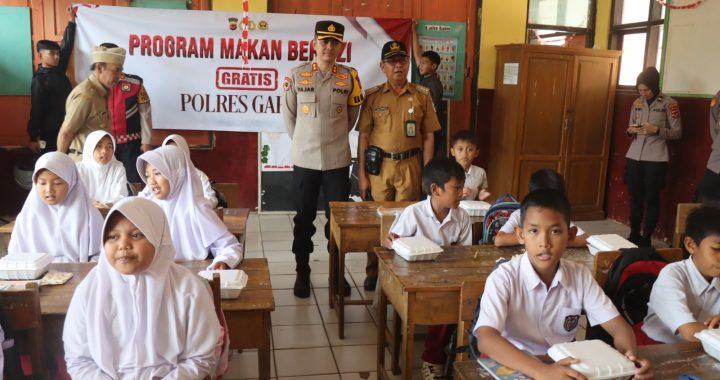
[
  {"x": 497, "y": 215},
  {"x": 630, "y": 281}
]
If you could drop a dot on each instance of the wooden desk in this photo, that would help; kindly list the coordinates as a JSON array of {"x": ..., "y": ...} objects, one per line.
[
  {"x": 248, "y": 317},
  {"x": 7, "y": 228},
  {"x": 236, "y": 220},
  {"x": 428, "y": 293},
  {"x": 668, "y": 362}
]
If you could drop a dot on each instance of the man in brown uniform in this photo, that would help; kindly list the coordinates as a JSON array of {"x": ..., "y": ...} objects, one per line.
[
  {"x": 86, "y": 108},
  {"x": 396, "y": 127},
  {"x": 320, "y": 105}
]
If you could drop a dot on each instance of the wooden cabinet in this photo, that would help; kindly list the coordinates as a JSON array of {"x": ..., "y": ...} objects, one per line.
[{"x": 555, "y": 112}]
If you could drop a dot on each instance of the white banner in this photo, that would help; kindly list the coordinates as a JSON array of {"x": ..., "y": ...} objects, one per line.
[{"x": 192, "y": 61}]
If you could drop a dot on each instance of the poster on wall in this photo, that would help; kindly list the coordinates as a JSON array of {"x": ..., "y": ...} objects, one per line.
[{"x": 447, "y": 38}]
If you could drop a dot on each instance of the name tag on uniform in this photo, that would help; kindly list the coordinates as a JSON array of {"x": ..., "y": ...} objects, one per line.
[{"x": 410, "y": 130}]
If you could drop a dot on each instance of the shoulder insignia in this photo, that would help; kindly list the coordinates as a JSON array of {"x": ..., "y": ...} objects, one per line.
[
  {"x": 286, "y": 83},
  {"x": 639, "y": 102},
  {"x": 373, "y": 90},
  {"x": 422, "y": 89},
  {"x": 143, "y": 96},
  {"x": 674, "y": 109},
  {"x": 125, "y": 87}
]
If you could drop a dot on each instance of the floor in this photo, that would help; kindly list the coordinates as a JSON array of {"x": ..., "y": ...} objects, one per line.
[{"x": 305, "y": 340}]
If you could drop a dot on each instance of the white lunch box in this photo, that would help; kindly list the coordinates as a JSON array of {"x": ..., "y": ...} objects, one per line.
[
  {"x": 24, "y": 266},
  {"x": 416, "y": 248},
  {"x": 232, "y": 281},
  {"x": 611, "y": 242},
  {"x": 598, "y": 361},
  {"x": 475, "y": 208},
  {"x": 710, "y": 340}
]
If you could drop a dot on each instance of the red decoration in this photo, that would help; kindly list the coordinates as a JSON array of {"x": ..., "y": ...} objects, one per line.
[
  {"x": 678, "y": 7},
  {"x": 245, "y": 20}
]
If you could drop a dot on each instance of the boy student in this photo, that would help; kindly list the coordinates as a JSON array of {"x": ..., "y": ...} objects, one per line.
[
  {"x": 535, "y": 300},
  {"x": 685, "y": 299},
  {"x": 439, "y": 219},
  {"x": 541, "y": 179},
  {"x": 428, "y": 62},
  {"x": 464, "y": 148}
]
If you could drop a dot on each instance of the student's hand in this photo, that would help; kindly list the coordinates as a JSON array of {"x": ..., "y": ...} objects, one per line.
[
  {"x": 633, "y": 130},
  {"x": 712, "y": 322},
  {"x": 363, "y": 186},
  {"x": 34, "y": 146},
  {"x": 643, "y": 371},
  {"x": 466, "y": 192},
  {"x": 220, "y": 265},
  {"x": 71, "y": 13},
  {"x": 561, "y": 370},
  {"x": 145, "y": 147},
  {"x": 650, "y": 129},
  {"x": 391, "y": 237},
  {"x": 483, "y": 194}
]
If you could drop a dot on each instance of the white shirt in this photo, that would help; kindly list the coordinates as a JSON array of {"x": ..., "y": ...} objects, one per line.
[
  {"x": 419, "y": 220},
  {"x": 514, "y": 221},
  {"x": 679, "y": 296},
  {"x": 475, "y": 179},
  {"x": 517, "y": 303},
  {"x": 104, "y": 183}
]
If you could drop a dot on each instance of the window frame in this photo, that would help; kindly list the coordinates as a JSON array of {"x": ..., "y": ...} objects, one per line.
[
  {"x": 656, "y": 17},
  {"x": 589, "y": 31}
]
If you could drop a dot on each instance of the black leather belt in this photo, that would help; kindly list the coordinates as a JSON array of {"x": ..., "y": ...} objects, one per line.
[{"x": 401, "y": 155}]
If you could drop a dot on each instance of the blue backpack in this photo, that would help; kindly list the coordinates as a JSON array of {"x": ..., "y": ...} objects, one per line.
[{"x": 497, "y": 215}]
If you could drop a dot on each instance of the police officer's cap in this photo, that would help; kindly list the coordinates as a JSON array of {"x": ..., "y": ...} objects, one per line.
[
  {"x": 47, "y": 45},
  {"x": 329, "y": 29},
  {"x": 392, "y": 49}
]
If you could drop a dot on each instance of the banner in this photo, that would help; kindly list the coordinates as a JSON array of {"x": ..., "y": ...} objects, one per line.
[{"x": 192, "y": 61}]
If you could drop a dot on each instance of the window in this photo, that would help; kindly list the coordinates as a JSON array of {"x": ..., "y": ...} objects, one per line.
[
  {"x": 637, "y": 30},
  {"x": 561, "y": 22}
]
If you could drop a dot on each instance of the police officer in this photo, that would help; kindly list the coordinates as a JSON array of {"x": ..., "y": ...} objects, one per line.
[
  {"x": 654, "y": 119},
  {"x": 708, "y": 189},
  {"x": 396, "y": 127},
  {"x": 86, "y": 108},
  {"x": 130, "y": 120},
  {"x": 320, "y": 105},
  {"x": 49, "y": 90}
]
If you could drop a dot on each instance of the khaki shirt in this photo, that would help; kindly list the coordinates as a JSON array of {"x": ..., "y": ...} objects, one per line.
[
  {"x": 384, "y": 117},
  {"x": 319, "y": 111},
  {"x": 86, "y": 111},
  {"x": 714, "y": 159},
  {"x": 663, "y": 112}
]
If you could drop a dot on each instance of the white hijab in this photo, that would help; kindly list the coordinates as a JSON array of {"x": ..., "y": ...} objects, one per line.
[
  {"x": 104, "y": 183},
  {"x": 142, "y": 325},
  {"x": 194, "y": 225},
  {"x": 69, "y": 231}
]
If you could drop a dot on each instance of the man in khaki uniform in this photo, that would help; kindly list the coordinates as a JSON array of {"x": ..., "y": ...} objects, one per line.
[
  {"x": 320, "y": 105},
  {"x": 86, "y": 108},
  {"x": 397, "y": 121}
]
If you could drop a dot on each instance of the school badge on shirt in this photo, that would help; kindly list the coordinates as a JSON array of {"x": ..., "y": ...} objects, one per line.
[{"x": 571, "y": 322}]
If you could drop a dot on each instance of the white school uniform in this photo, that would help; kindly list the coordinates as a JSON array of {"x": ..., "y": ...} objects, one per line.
[
  {"x": 104, "y": 183},
  {"x": 679, "y": 296},
  {"x": 475, "y": 179},
  {"x": 159, "y": 323},
  {"x": 514, "y": 221},
  {"x": 194, "y": 225},
  {"x": 517, "y": 303},
  {"x": 69, "y": 231},
  {"x": 419, "y": 220}
]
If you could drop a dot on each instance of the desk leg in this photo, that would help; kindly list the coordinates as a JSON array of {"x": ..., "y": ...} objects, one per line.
[
  {"x": 382, "y": 324},
  {"x": 264, "y": 351},
  {"x": 341, "y": 293},
  {"x": 408, "y": 337},
  {"x": 397, "y": 325},
  {"x": 332, "y": 285}
]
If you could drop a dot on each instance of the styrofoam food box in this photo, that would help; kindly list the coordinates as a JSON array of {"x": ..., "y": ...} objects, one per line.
[
  {"x": 24, "y": 266},
  {"x": 710, "y": 339},
  {"x": 416, "y": 248},
  {"x": 232, "y": 281},
  {"x": 610, "y": 242},
  {"x": 598, "y": 361},
  {"x": 475, "y": 208}
]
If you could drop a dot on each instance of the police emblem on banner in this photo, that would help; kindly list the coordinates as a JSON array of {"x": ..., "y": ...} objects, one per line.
[
  {"x": 233, "y": 23},
  {"x": 571, "y": 322}
]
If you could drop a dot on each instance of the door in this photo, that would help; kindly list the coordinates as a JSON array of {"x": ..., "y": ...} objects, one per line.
[{"x": 543, "y": 134}]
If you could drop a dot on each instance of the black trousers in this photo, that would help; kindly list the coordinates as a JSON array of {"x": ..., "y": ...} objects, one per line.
[
  {"x": 708, "y": 189},
  {"x": 645, "y": 180},
  {"x": 127, "y": 154},
  {"x": 306, "y": 187}
]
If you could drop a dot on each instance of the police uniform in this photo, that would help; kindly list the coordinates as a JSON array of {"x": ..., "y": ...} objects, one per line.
[
  {"x": 647, "y": 157},
  {"x": 319, "y": 110},
  {"x": 709, "y": 186},
  {"x": 49, "y": 90},
  {"x": 130, "y": 121}
]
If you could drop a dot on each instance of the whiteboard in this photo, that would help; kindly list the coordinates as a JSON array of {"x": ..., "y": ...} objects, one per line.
[{"x": 692, "y": 57}]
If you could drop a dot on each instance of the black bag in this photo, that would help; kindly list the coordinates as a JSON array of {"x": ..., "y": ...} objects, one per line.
[
  {"x": 222, "y": 202},
  {"x": 373, "y": 160}
]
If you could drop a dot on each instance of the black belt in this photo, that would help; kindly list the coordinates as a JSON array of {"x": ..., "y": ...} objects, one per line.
[{"x": 401, "y": 155}]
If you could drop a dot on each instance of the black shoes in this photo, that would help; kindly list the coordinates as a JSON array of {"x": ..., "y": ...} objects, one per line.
[
  {"x": 302, "y": 284},
  {"x": 370, "y": 283}
]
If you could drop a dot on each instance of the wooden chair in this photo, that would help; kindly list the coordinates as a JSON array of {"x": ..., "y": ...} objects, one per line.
[
  {"x": 24, "y": 317},
  {"x": 604, "y": 260},
  {"x": 231, "y": 192},
  {"x": 470, "y": 292},
  {"x": 220, "y": 212},
  {"x": 683, "y": 210},
  {"x": 217, "y": 302}
]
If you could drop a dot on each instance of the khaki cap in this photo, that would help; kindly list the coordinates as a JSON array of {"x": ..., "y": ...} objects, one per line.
[{"x": 114, "y": 55}]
